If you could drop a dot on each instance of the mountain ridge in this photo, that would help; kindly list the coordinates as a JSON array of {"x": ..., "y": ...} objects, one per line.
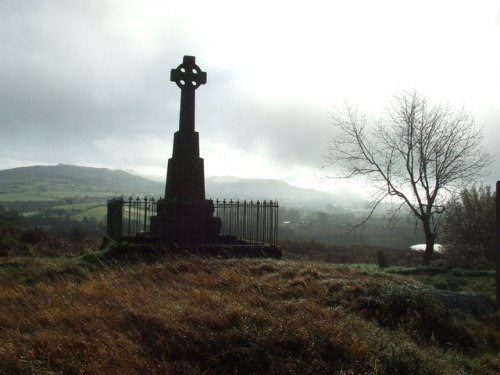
[
  {"x": 117, "y": 182},
  {"x": 265, "y": 188}
]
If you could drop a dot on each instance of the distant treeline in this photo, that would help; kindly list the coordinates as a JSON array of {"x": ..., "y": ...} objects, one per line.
[{"x": 340, "y": 227}]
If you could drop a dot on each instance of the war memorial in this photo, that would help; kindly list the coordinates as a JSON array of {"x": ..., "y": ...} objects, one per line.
[{"x": 184, "y": 218}]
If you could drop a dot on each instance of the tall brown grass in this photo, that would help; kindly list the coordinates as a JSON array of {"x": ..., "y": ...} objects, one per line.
[{"x": 201, "y": 316}]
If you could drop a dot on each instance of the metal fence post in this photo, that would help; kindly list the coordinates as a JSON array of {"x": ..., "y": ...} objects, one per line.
[{"x": 145, "y": 213}]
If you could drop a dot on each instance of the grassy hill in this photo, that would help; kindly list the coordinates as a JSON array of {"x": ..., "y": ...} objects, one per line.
[
  {"x": 67, "y": 310},
  {"x": 69, "y": 181},
  {"x": 61, "y": 196}
]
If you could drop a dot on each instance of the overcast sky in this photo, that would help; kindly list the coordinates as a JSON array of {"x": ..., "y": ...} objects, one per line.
[{"x": 88, "y": 82}]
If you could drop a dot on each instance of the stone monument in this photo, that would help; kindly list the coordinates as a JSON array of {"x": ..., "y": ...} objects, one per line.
[{"x": 184, "y": 215}]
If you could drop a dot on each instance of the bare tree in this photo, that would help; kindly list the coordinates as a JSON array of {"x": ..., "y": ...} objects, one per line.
[{"x": 421, "y": 155}]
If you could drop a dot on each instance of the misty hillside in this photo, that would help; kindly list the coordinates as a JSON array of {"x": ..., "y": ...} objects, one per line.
[
  {"x": 252, "y": 188},
  {"x": 69, "y": 180},
  {"x": 92, "y": 180}
]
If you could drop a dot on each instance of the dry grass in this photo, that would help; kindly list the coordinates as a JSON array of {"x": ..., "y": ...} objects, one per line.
[
  {"x": 203, "y": 316},
  {"x": 99, "y": 313},
  {"x": 15, "y": 241}
]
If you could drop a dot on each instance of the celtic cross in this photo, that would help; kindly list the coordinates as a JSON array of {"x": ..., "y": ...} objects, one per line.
[{"x": 188, "y": 77}]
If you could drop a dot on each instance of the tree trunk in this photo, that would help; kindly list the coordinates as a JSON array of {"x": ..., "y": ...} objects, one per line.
[{"x": 430, "y": 239}]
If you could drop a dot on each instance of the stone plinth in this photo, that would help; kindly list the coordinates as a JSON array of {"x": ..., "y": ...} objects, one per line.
[
  {"x": 186, "y": 171},
  {"x": 186, "y": 221}
]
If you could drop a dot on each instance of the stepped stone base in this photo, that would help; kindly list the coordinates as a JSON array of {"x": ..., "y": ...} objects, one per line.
[
  {"x": 186, "y": 222},
  {"x": 146, "y": 245},
  {"x": 188, "y": 229}
]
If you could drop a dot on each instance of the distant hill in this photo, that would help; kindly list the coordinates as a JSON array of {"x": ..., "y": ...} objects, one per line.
[
  {"x": 68, "y": 180},
  {"x": 253, "y": 188},
  {"x": 61, "y": 181}
]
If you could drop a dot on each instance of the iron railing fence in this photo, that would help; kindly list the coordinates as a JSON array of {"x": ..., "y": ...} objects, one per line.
[
  {"x": 250, "y": 221},
  {"x": 130, "y": 216}
]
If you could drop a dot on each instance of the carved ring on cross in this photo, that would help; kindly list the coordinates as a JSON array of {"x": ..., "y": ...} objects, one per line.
[{"x": 188, "y": 75}]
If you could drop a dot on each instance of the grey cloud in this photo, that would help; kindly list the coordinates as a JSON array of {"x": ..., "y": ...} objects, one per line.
[
  {"x": 69, "y": 76},
  {"x": 288, "y": 134},
  {"x": 65, "y": 73}
]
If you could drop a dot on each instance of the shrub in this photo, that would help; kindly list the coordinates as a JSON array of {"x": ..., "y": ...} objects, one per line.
[
  {"x": 469, "y": 228},
  {"x": 30, "y": 236}
]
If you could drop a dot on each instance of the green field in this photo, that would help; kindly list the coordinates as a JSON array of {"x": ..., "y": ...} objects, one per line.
[
  {"x": 93, "y": 212},
  {"x": 25, "y": 197},
  {"x": 56, "y": 191}
]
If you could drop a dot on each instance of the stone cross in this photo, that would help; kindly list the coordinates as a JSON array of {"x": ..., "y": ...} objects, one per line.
[
  {"x": 185, "y": 173},
  {"x": 188, "y": 77}
]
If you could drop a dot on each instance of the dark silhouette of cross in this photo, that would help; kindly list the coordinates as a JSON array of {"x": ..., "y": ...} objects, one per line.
[{"x": 188, "y": 77}]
